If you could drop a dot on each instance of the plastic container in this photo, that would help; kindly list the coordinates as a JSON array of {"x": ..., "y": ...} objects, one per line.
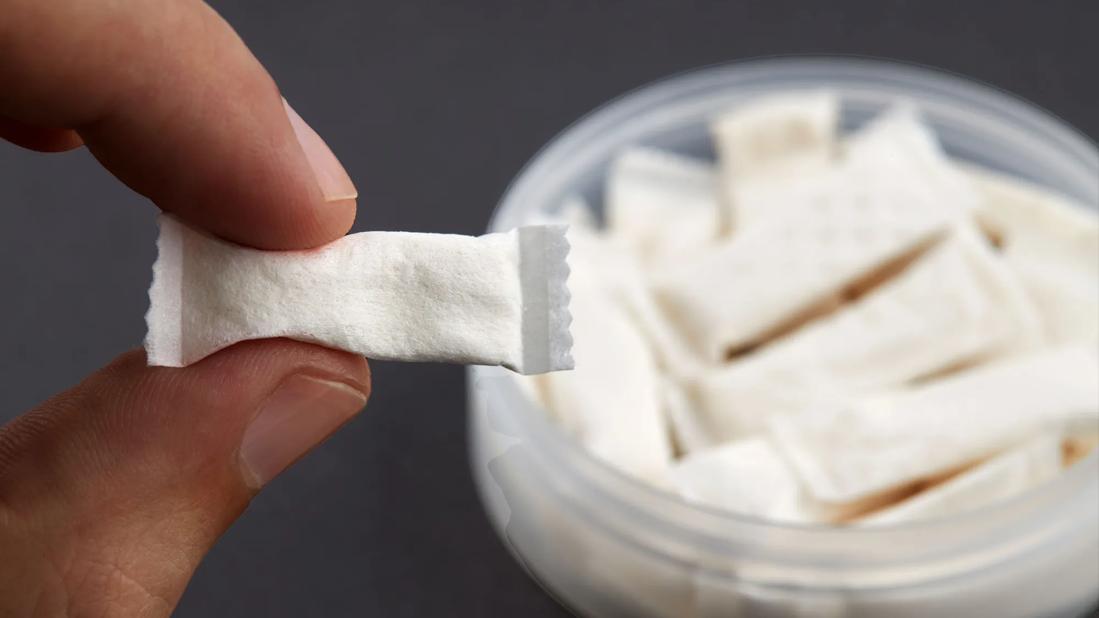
[{"x": 606, "y": 545}]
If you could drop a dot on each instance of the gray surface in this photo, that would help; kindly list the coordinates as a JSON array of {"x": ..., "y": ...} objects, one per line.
[{"x": 434, "y": 106}]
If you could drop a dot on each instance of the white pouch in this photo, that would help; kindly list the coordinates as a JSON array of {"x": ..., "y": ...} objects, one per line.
[
  {"x": 1053, "y": 246},
  {"x": 611, "y": 402},
  {"x": 498, "y": 299},
  {"x": 886, "y": 441},
  {"x": 739, "y": 292},
  {"x": 1067, "y": 299},
  {"x": 897, "y": 142},
  {"x": 1030, "y": 219},
  {"x": 610, "y": 258},
  {"x": 956, "y": 303},
  {"x": 771, "y": 140},
  {"x": 623, "y": 279},
  {"x": 1008, "y": 474},
  {"x": 664, "y": 205},
  {"x": 747, "y": 476},
  {"x": 895, "y": 148}
]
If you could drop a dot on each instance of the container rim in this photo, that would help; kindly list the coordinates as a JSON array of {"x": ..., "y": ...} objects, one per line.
[{"x": 1061, "y": 139}]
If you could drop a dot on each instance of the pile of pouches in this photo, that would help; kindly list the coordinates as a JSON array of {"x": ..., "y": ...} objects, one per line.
[{"x": 827, "y": 328}]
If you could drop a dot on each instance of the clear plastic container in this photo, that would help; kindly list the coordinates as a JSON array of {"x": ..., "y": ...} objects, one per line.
[{"x": 606, "y": 545}]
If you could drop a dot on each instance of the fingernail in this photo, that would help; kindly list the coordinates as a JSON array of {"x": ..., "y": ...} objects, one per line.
[
  {"x": 334, "y": 182},
  {"x": 300, "y": 414}
]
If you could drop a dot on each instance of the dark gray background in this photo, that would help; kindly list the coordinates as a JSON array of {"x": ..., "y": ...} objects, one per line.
[{"x": 433, "y": 106}]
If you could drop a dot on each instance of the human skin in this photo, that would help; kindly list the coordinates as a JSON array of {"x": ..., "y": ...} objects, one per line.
[{"x": 113, "y": 491}]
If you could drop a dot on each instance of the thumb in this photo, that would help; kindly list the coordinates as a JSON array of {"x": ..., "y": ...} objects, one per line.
[{"x": 112, "y": 492}]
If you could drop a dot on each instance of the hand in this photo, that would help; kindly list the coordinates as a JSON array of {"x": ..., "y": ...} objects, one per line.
[{"x": 111, "y": 492}]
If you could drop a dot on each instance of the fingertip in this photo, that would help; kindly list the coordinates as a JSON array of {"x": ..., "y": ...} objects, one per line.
[
  {"x": 332, "y": 179},
  {"x": 322, "y": 224},
  {"x": 290, "y": 228},
  {"x": 40, "y": 139},
  {"x": 334, "y": 216},
  {"x": 340, "y": 215},
  {"x": 154, "y": 461},
  {"x": 242, "y": 366},
  {"x": 299, "y": 414}
]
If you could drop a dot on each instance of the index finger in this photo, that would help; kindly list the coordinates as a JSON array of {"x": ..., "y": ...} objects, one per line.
[{"x": 171, "y": 101}]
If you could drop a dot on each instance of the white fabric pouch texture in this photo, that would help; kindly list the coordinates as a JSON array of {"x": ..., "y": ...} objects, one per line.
[
  {"x": 663, "y": 204},
  {"x": 497, "y": 299},
  {"x": 884, "y": 441},
  {"x": 1008, "y": 474}
]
